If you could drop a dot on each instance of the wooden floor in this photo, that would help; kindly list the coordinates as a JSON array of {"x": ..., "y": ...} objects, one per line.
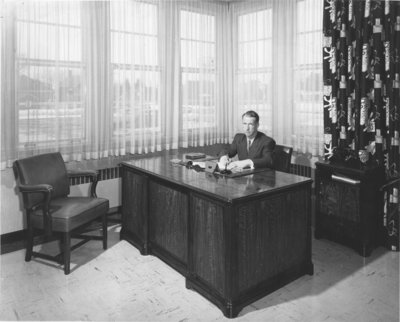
[{"x": 121, "y": 285}]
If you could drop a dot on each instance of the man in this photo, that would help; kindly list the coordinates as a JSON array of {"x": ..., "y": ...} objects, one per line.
[{"x": 254, "y": 149}]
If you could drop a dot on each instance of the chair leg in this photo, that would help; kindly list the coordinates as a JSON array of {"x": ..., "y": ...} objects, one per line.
[
  {"x": 104, "y": 221},
  {"x": 29, "y": 244},
  {"x": 67, "y": 252}
]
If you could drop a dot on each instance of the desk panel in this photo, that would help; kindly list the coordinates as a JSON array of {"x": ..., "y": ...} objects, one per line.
[
  {"x": 134, "y": 209},
  {"x": 168, "y": 223},
  {"x": 208, "y": 247},
  {"x": 271, "y": 237}
]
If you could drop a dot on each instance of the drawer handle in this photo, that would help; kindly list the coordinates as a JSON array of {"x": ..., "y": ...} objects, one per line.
[{"x": 345, "y": 180}]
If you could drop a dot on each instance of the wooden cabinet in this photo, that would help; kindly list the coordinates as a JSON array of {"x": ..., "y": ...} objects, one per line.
[{"x": 349, "y": 205}]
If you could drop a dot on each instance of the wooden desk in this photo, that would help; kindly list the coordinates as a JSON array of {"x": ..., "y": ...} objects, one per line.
[{"x": 234, "y": 239}]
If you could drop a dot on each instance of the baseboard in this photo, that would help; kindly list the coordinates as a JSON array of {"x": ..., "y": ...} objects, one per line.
[{"x": 12, "y": 237}]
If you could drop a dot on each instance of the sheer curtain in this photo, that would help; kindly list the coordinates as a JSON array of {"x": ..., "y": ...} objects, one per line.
[
  {"x": 8, "y": 140},
  {"x": 32, "y": 112},
  {"x": 164, "y": 56},
  {"x": 278, "y": 69},
  {"x": 307, "y": 136},
  {"x": 54, "y": 84},
  {"x": 94, "y": 79},
  {"x": 136, "y": 74},
  {"x": 97, "y": 79},
  {"x": 204, "y": 72}
]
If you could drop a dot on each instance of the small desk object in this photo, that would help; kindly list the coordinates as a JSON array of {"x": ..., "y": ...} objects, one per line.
[{"x": 235, "y": 240}]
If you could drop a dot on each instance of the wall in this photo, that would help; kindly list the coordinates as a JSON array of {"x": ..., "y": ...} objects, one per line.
[{"x": 11, "y": 215}]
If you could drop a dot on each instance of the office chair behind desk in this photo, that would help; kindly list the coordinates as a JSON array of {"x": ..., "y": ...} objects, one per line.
[{"x": 282, "y": 156}]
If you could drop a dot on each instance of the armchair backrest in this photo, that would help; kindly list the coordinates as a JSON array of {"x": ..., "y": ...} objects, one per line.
[
  {"x": 46, "y": 168},
  {"x": 282, "y": 156}
]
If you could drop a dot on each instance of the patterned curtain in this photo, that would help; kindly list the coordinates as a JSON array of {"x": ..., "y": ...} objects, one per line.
[{"x": 361, "y": 69}]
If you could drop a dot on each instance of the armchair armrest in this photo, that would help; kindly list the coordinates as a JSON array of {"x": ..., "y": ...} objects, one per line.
[
  {"x": 86, "y": 173},
  {"x": 81, "y": 173},
  {"x": 46, "y": 190},
  {"x": 26, "y": 188},
  {"x": 43, "y": 188}
]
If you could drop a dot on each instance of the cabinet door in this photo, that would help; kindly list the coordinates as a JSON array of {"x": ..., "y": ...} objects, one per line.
[
  {"x": 340, "y": 200},
  {"x": 338, "y": 214},
  {"x": 347, "y": 206}
]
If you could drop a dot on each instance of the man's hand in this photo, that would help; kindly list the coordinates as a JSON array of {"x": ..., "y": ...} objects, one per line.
[
  {"x": 223, "y": 162},
  {"x": 242, "y": 164}
]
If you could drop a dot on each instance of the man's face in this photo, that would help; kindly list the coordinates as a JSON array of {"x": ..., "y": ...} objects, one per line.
[{"x": 250, "y": 126}]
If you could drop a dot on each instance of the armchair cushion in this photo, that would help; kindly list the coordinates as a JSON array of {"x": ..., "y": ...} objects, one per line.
[{"x": 69, "y": 213}]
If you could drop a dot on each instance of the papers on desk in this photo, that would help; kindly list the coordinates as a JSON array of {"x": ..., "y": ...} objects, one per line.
[
  {"x": 176, "y": 161},
  {"x": 201, "y": 164},
  {"x": 241, "y": 172}
]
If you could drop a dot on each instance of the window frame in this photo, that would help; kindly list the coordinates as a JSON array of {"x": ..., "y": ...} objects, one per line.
[
  {"x": 212, "y": 71},
  {"x": 265, "y": 113}
]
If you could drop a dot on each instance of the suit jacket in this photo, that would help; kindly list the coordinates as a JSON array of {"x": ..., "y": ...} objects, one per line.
[{"x": 260, "y": 151}]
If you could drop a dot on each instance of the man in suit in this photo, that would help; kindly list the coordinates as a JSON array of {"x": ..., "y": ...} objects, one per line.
[{"x": 254, "y": 149}]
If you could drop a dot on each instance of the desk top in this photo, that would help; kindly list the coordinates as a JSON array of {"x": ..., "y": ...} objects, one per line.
[{"x": 220, "y": 187}]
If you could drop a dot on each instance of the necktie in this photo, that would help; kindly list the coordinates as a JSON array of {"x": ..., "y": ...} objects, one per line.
[{"x": 248, "y": 146}]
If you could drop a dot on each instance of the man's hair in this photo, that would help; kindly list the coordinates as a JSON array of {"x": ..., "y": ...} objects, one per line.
[{"x": 252, "y": 114}]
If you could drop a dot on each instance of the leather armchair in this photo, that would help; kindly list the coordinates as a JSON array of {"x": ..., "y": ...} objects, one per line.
[{"x": 43, "y": 183}]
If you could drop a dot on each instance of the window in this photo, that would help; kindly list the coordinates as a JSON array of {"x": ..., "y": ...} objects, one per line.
[
  {"x": 279, "y": 71},
  {"x": 135, "y": 68},
  {"x": 92, "y": 79},
  {"x": 198, "y": 55},
  {"x": 307, "y": 112},
  {"x": 48, "y": 74},
  {"x": 254, "y": 64}
]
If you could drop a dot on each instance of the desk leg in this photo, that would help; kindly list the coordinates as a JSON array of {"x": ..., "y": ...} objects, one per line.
[{"x": 227, "y": 307}]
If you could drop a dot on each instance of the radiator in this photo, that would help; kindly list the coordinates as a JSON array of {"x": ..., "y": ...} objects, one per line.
[
  {"x": 300, "y": 170},
  {"x": 103, "y": 174}
]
